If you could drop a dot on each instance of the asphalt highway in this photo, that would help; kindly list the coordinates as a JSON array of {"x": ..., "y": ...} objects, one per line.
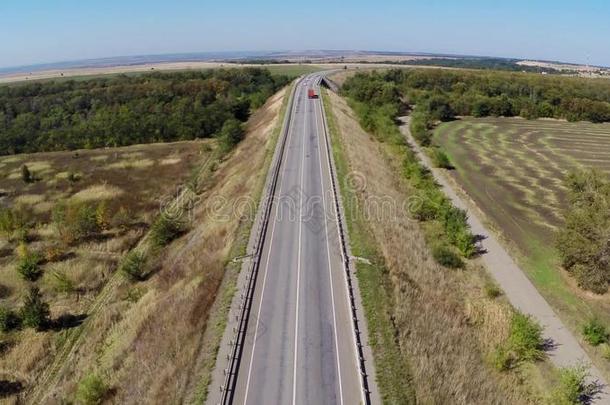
[{"x": 299, "y": 347}]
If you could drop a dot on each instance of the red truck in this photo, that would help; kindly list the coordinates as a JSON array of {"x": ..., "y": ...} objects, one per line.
[{"x": 311, "y": 93}]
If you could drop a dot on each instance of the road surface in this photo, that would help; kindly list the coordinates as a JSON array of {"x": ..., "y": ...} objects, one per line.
[{"x": 299, "y": 347}]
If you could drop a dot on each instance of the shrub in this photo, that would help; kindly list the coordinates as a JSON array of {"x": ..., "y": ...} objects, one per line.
[
  {"x": 53, "y": 253},
  {"x": 440, "y": 159},
  {"x": 492, "y": 290},
  {"x": 231, "y": 134},
  {"x": 573, "y": 388},
  {"x": 29, "y": 267},
  {"x": 62, "y": 283},
  {"x": 122, "y": 219},
  {"x": 102, "y": 216},
  {"x": 75, "y": 221},
  {"x": 91, "y": 390},
  {"x": 15, "y": 222},
  {"x": 8, "y": 319},
  {"x": 165, "y": 230},
  {"x": 595, "y": 332},
  {"x": 582, "y": 242},
  {"x": 524, "y": 343},
  {"x": 526, "y": 337},
  {"x": 420, "y": 128},
  {"x": 455, "y": 222},
  {"x": 445, "y": 256},
  {"x": 133, "y": 266},
  {"x": 26, "y": 176},
  {"x": 590, "y": 278},
  {"x": 35, "y": 312},
  {"x": 606, "y": 351}
]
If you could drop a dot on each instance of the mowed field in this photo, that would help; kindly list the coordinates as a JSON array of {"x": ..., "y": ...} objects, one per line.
[{"x": 514, "y": 169}]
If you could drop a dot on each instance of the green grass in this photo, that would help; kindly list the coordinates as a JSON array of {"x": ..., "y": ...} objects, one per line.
[{"x": 393, "y": 376}]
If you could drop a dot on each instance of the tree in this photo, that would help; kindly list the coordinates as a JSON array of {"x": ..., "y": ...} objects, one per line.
[
  {"x": 231, "y": 133},
  {"x": 584, "y": 240},
  {"x": 91, "y": 390},
  {"x": 440, "y": 108},
  {"x": 26, "y": 176},
  {"x": 28, "y": 266},
  {"x": 35, "y": 312}
]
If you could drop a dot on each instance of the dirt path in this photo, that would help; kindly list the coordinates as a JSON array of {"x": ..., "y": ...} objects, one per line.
[{"x": 518, "y": 288}]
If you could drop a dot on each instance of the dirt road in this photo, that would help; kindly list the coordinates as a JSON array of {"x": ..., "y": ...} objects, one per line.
[{"x": 518, "y": 288}]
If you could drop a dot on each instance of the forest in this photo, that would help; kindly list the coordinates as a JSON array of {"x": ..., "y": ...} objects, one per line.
[
  {"x": 440, "y": 95},
  {"x": 124, "y": 110},
  {"x": 483, "y": 93}
]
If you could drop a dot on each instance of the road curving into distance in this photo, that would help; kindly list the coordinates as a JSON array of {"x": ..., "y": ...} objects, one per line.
[{"x": 299, "y": 345}]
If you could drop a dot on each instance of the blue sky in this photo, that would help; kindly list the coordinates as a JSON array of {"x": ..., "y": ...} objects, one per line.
[{"x": 58, "y": 30}]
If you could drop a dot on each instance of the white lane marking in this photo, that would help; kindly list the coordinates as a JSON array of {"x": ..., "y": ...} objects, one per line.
[
  {"x": 296, "y": 324},
  {"x": 330, "y": 276},
  {"x": 260, "y": 306},
  {"x": 345, "y": 276}
]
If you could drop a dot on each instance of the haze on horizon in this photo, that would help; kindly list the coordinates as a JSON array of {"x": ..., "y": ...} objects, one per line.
[{"x": 36, "y": 31}]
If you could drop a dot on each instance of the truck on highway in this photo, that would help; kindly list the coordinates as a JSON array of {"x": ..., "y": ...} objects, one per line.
[{"x": 311, "y": 93}]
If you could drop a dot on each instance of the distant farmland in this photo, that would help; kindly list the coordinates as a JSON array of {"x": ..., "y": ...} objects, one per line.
[{"x": 514, "y": 169}]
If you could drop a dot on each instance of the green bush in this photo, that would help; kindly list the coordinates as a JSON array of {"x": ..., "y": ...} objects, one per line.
[
  {"x": 91, "y": 390},
  {"x": 231, "y": 134},
  {"x": 35, "y": 312},
  {"x": 420, "y": 128},
  {"x": 62, "y": 283},
  {"x": 524, "y": 343},
  {"x": 572, "y": 388},
  {"x": 445, "y": 256},
  {"x": 9, "y": 320},
  {"x": 133, "y": 266},
  {"x": 440, "y": 159},
  {"x": 75, "y": 221},
  {"x": 595, "y": 332},
  {"x": 165, "y": 230},
  {"x": 455, "y": 222},
  {"x": 26, "y": 176},
  {"x": 15, "y": 222},
  {"x": 526, "y": 337},
  {"x": 29, "y": 266},
  {"x": 492, "y": 290}
]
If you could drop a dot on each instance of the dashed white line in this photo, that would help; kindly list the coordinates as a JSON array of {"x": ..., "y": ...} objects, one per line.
[
  {"x": 330, "y": 277},
  {"x": 260, "y": 306},
  {"x": 296, "y": 325}
]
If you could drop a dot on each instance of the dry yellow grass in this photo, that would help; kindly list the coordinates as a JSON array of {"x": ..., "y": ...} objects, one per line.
[
  {"x": 444, "y": 326},
  {"x": 29, "y": 199},
  {"x": 131, "y": 163},
  {"x": 169, "y": 161},
  {"x": 99, "y": 192}
]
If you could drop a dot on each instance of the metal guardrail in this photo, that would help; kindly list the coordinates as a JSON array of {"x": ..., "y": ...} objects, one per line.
[
  {"x": 346, "y": 260},
  {"x": 228, "y": 388}
]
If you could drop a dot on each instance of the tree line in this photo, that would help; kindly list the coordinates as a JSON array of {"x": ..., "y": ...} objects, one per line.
[
  {"x": 441, "y": 94},
  {"x": 125, "y": 110}
]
